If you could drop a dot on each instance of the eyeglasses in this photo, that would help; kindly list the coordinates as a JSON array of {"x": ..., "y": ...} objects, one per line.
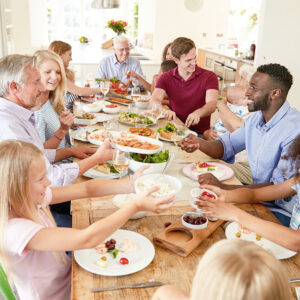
[{"x": 123, "y": 49}]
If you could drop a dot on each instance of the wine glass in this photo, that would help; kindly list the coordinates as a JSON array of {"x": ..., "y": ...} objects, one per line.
[
  {"x": 156, "y": 110},
  {"x": 135, "y": 82},
  {"x": 104, "y": 87},
  {"x": 121, "y": 161},
  {"x": 135, "y": 94}
]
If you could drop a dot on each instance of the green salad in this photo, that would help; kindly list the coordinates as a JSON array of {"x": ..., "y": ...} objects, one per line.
[
  {"x": 114, "y": 79},
  {"x": 134, "y": 118},
  {"x": 156, "y": 158},
  {"x": 170, "y": 127}
]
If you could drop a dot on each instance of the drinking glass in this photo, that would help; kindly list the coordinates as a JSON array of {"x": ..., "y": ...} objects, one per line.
[
  {"x": 156, "y": 110},
  {"x": 104, "y": 87},
  {"x": 135, "y": 94},
  {"x": 135, "y": 82},
  {"x": 121, "y": 161}
]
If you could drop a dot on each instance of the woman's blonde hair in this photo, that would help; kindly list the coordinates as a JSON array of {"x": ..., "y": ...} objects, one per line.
[
  {"x": 239, "y": 270},
  {"x": 60, "y": 48},
  {"x": 56, "y": 97},
  {"x": 16, "y": 158}
]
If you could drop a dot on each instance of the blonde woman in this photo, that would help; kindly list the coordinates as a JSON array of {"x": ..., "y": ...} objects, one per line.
[
  {"x": 64, "y": 50},
  {"x": 52, "y": 120},
  {"x": 237, "y": 270},
  {"x": 31, "y": 246}
]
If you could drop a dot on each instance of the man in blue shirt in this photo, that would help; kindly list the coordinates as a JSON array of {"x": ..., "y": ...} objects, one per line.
[
  {"x": 119, "y": 64},
  {"x": 266, "y": 136}
]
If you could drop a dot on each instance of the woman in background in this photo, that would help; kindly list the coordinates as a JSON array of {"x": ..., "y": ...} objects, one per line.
[{"x": 64, "y": 50}]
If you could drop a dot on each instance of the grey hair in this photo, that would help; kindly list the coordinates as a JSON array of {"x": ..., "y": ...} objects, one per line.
[
  {"x": 119, "y": 39},
  {"x": 12, "y": 68},
  {"x": 248, "y": 69}
]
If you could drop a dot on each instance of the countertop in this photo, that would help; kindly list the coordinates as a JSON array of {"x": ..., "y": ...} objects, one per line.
[{"x": 228, "y": 53}]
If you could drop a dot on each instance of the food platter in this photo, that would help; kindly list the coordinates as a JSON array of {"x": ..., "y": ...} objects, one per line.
[
  {"x": 279, "y": 252},
  {"x": 128, "y": 119},
  {"x": 222, "y": 173},
  {"x": 81, "y": 134},
  {"x": 177, "y": 137},
  {"x": 94, "y": 173},
  {"x": 138, "y": 259},
  {"x": 125, "y": 141}
]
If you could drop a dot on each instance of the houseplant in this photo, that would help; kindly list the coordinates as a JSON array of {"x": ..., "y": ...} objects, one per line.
[{"x": 118, "y": 27}]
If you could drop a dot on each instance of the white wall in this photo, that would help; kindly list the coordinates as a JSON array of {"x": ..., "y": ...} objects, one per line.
[
  {"x": 170, "y": 19},
  {"x": 279, "y": 40}
]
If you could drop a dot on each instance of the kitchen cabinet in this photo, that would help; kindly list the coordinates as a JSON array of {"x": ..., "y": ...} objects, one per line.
[{"x": 225, "y": 66}]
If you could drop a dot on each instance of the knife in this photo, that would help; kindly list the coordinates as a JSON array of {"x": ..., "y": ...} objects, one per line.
[
  {"x": 294, "y": 280},
  {"x": 129, "y": 286}
]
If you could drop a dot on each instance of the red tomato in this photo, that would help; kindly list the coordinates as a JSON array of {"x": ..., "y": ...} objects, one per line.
[
  {"x": 204, "y": 165},
  {"x": 208, "y": 195},
  {"x": 124, "y": 261}
]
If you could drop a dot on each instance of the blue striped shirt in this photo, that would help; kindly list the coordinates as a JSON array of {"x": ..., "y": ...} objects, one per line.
[{"x": 109, "y": 67}]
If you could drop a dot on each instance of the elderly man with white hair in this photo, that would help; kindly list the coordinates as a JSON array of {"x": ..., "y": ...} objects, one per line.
[{"x": 119, "y": 64}]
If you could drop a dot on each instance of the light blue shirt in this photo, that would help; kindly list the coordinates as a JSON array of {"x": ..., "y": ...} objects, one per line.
[
  {"x": 295, "y": 219},
  {"x": 109, "y": 67},
  {"x": 265, "y": 144},
  {"x": 18, "y": 123}
]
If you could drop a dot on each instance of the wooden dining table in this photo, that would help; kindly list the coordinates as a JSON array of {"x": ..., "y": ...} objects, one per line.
[{"x": 166, "y": 265}]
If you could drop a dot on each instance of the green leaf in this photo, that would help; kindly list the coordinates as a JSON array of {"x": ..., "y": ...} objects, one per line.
[{"x": 114, "y": 252}]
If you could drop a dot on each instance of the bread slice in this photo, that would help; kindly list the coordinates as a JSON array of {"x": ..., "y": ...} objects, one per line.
[
  {"x": 167, "y": 135},
  {"x": 103, "y": 168}
]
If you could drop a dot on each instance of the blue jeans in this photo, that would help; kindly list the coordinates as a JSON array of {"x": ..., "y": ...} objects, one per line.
[{"x": 284, "y": 220}]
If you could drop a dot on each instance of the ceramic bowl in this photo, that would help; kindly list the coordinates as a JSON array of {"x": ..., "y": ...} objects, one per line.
[
  {"x": 143, "y": 103},
  {"x": 121, "y": 199},
  {"x": 92, "y": 108},
  {"x": 193, "y": 226},
  {"x": 153, "y": 167},
  {"x": 81, "y": 121},
  {"x": 168, "y": 184},
  {"x": 111, "y": 108}
]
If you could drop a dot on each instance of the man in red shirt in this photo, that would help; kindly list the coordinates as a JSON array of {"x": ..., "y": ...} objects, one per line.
[{"x": 192, "y": 91}]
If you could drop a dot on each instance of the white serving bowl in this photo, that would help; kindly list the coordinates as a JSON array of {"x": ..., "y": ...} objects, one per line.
[
  {"x": 148, "y": 181},
  {"x": 153, "y": 167},
  {"x": 192, "y": 226},
  {"x": 143, "y": 103},
  {"x": 195, "y": 193},
  {"x": 121, "y": 199},
  {"x": 111, "y": 110},
  {"x": 80, "y": 121},
  {"x": 92, "y": 108}
]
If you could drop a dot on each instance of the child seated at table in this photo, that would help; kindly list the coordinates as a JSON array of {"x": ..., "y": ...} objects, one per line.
[
  {"x": 31, "y": 246},
  {"x": 234, "y": 269},
  {"x": 288, "y": 237}
]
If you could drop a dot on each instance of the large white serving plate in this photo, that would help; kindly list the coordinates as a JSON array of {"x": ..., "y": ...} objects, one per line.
[
  {"x": 117, "y": 134},
  {"x": 278, "y": 251},
  {"x": 138, "y": 260}
]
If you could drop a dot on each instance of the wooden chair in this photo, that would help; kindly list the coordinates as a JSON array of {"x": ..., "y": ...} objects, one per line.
[{"x": 5, "y": 288}]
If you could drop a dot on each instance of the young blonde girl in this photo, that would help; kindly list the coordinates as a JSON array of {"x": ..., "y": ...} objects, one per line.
[
  {"x": 52, "y": 120},
  {"x": 32, "y": 247},
  {"x": 237, "y": 270}
]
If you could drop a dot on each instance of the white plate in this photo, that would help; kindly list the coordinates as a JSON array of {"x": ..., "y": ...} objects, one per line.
[
  {"x": 278, "y": 251},
  {"x": 92, "y": 140},
  {"x": 177, "y": 137},
  {"x": 138, "y": 260},
  {"x": 140, "y": 124},
  {"x": 80, "y": 134},
  {"x": 142, "y": 139},
  {"x": 222, "y": 173},
  {"x": 92, "y": 173}
]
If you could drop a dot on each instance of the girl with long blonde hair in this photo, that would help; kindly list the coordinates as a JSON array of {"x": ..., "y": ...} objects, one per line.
[
  {"x": 52, "y": 120},
  {"x": 31, "y": 246},
  {"x": 234, "y": 270},
  {"x": 64, "y": 50}
]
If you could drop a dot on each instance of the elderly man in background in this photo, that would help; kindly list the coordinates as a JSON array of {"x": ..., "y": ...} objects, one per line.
[
  {"x": 119, "y": 64},
  {"x": 192, "y": 91}
]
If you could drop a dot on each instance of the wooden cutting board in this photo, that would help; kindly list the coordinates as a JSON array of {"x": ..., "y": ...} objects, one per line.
[{"x": 182, "y": 240}]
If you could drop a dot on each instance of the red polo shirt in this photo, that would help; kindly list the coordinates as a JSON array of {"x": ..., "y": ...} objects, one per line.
[{"x": 187, "y": 96}]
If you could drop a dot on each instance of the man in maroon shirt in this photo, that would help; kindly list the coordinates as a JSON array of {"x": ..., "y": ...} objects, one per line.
[{"x": 192, "y": 91}]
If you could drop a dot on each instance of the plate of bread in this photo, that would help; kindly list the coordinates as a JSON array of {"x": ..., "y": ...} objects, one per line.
[
  {"x": 105, "y": 170},
  {"x": 173, "y": 132},
  {"x": 220, "y": 171}
]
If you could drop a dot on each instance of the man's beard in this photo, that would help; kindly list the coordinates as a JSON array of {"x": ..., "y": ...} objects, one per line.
[{"x": 261, "y": 104}]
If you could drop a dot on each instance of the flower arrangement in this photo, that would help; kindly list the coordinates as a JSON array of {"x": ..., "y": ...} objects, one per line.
[{"x": 118, "y": 27}]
